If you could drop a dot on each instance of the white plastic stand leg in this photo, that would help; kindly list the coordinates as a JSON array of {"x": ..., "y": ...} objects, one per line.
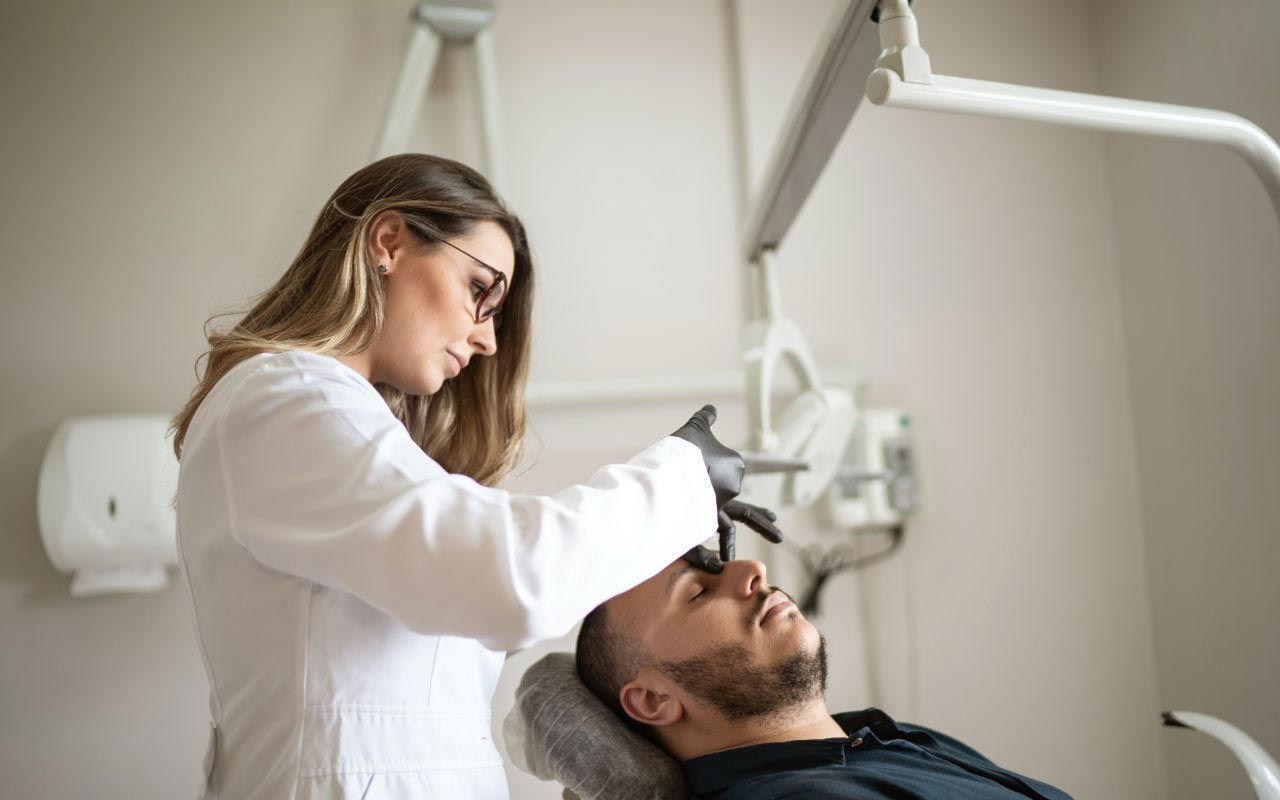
[
  {"x": 465, "y": 22},
  {"x": 482, "y": 55},
  {"x": 410, "y": 88}
]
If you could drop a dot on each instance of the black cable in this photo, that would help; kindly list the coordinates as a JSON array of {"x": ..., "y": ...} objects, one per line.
[{"x": 821, "y": 565}]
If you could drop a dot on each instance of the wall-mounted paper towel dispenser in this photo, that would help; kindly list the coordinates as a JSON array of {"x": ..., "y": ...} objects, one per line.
[{"x": 105, "y": 502}]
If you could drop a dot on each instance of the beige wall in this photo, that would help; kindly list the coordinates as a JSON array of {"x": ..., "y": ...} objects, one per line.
[
  {"x": 163, "y": 161},
  {"x": 1199, "y": 266}
]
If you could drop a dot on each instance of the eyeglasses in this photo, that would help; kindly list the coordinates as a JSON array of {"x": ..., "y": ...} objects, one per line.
[{"x": 490, "y": 298}]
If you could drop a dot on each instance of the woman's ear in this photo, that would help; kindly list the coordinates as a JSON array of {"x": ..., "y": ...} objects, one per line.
[
  {"x": 649, "y": 704},
  {"x": 386, "y": 237}
]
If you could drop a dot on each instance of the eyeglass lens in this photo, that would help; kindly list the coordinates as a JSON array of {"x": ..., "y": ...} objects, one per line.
[{"x": 491, "y": 300}]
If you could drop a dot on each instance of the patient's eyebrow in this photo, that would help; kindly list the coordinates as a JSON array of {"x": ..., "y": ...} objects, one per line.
[{"x": 685, "y": 569}]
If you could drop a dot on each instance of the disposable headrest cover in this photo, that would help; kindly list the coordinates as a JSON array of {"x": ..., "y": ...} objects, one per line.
[{"x": 560, "y": 731}]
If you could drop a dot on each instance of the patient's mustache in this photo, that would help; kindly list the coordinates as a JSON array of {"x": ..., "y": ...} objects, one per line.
[{"x": 761, "y": 599}]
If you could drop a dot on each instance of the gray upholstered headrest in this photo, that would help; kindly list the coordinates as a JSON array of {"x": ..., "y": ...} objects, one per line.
[{"x": 560, "y": 731}]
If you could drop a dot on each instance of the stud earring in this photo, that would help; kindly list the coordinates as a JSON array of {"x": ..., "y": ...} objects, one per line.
[{"x": 382, "y": 269}]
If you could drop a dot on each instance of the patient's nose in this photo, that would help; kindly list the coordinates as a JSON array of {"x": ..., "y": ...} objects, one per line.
[{"x": 746, "y": 577}]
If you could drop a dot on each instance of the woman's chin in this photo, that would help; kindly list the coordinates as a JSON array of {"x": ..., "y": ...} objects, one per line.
[
  {"x": 432, "y": 383},
  {"x": 424, "y": 386}
]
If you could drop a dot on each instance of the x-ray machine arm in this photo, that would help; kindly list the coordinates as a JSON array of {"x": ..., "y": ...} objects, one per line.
[
  {"x": 885, "y": 63},
  {"x": 911, "y": 84}
]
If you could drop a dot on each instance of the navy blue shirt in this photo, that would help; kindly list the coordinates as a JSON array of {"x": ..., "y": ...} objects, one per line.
[{"x": 879, "y": 760}]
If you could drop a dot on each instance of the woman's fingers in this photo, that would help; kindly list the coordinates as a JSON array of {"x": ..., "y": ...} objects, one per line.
[
  {"x": 758, "y": 518},
  {"x": 704, "y": 559},
  {"x": 727, "y": 532}
]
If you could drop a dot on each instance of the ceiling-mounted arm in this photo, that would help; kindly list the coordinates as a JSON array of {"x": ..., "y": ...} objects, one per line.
[
  {"x": 835, "y": 82},
  {"x": 1117, "y": 115},
  {"x": 820, "y": 110},
  {"x": 815, "y": 425},
  {"x": 890, "y": 85}
]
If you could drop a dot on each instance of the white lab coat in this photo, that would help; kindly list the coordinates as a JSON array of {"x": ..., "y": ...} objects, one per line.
[{"x": 352, "y": 600}]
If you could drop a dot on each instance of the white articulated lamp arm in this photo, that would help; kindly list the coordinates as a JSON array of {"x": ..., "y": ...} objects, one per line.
[
  {"x": 464, "y": 22},
  {"x": 767, "y": 341},
  {"x": 486, "y": 69},
  {"x": 829, "y": 92},
  {"x": 987, "y": 98},
  {"x": 890, "y": 84},
  {"x": 814, "y": 427},
  {"x": 410, "y": 88}
]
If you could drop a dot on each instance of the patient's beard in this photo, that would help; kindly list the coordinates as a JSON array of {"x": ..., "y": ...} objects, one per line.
[{"x": 729, "y": 680}]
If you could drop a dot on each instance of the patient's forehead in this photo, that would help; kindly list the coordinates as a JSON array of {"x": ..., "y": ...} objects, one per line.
[
  {"x": 648, "y": 595},
  {"x": 645, "y": 603}
]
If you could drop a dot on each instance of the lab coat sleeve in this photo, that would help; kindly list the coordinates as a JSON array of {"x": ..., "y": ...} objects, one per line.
[{"x": 324, "y": 483}]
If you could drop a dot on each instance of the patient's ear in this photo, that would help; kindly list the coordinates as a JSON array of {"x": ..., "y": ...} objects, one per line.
[{"x": 650, "y": 705}]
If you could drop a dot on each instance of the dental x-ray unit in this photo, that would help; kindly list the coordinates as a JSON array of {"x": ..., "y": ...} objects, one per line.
[{"x": 899, "y": 74}]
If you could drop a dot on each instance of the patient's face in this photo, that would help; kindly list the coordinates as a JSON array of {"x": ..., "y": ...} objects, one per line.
[{"x": 732, "y": 641}]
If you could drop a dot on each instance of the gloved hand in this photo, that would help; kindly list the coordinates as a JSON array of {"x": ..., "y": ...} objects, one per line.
[
  {"x": 725, "y": 466},
  {"x": 759, "y": 519},
  {"x": 704, "y": 559}
]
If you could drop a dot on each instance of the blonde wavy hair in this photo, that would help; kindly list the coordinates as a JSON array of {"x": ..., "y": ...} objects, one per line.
[{"x": 331, "y": 300}]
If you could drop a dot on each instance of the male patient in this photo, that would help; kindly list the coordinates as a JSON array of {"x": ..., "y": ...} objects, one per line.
[{"x": 727, "y": 676}]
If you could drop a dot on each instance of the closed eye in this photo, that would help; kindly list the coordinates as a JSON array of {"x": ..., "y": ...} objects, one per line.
[
  {"x": 477, "y": 289},
  {"x": 701, "y": 592}
]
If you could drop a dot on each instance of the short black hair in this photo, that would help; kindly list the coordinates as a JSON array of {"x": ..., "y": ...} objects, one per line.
[{"x": 606, "y": 659}]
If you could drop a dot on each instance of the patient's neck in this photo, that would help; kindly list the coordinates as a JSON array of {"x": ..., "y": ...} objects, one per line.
[{"x": 694, "y": 737}]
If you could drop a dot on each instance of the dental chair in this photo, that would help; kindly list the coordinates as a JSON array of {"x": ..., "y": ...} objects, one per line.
[{"x": 560, "y": 731}]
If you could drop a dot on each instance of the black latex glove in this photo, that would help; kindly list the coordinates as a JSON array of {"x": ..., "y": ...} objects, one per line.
[
  {"x": 704, "y": 559},
  {"x": 757, "y": 518},
  {"x": 724, "y": 466}
]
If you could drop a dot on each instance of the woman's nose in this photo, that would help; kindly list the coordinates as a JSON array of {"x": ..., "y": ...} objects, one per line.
[{"x": 484, "y": 339}]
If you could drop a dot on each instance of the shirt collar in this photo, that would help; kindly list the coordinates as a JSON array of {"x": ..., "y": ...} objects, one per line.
[{"x": 715, "y": 772}]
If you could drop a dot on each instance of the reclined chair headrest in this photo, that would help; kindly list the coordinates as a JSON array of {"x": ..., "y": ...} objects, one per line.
[{"x": 560, "y": 731}]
